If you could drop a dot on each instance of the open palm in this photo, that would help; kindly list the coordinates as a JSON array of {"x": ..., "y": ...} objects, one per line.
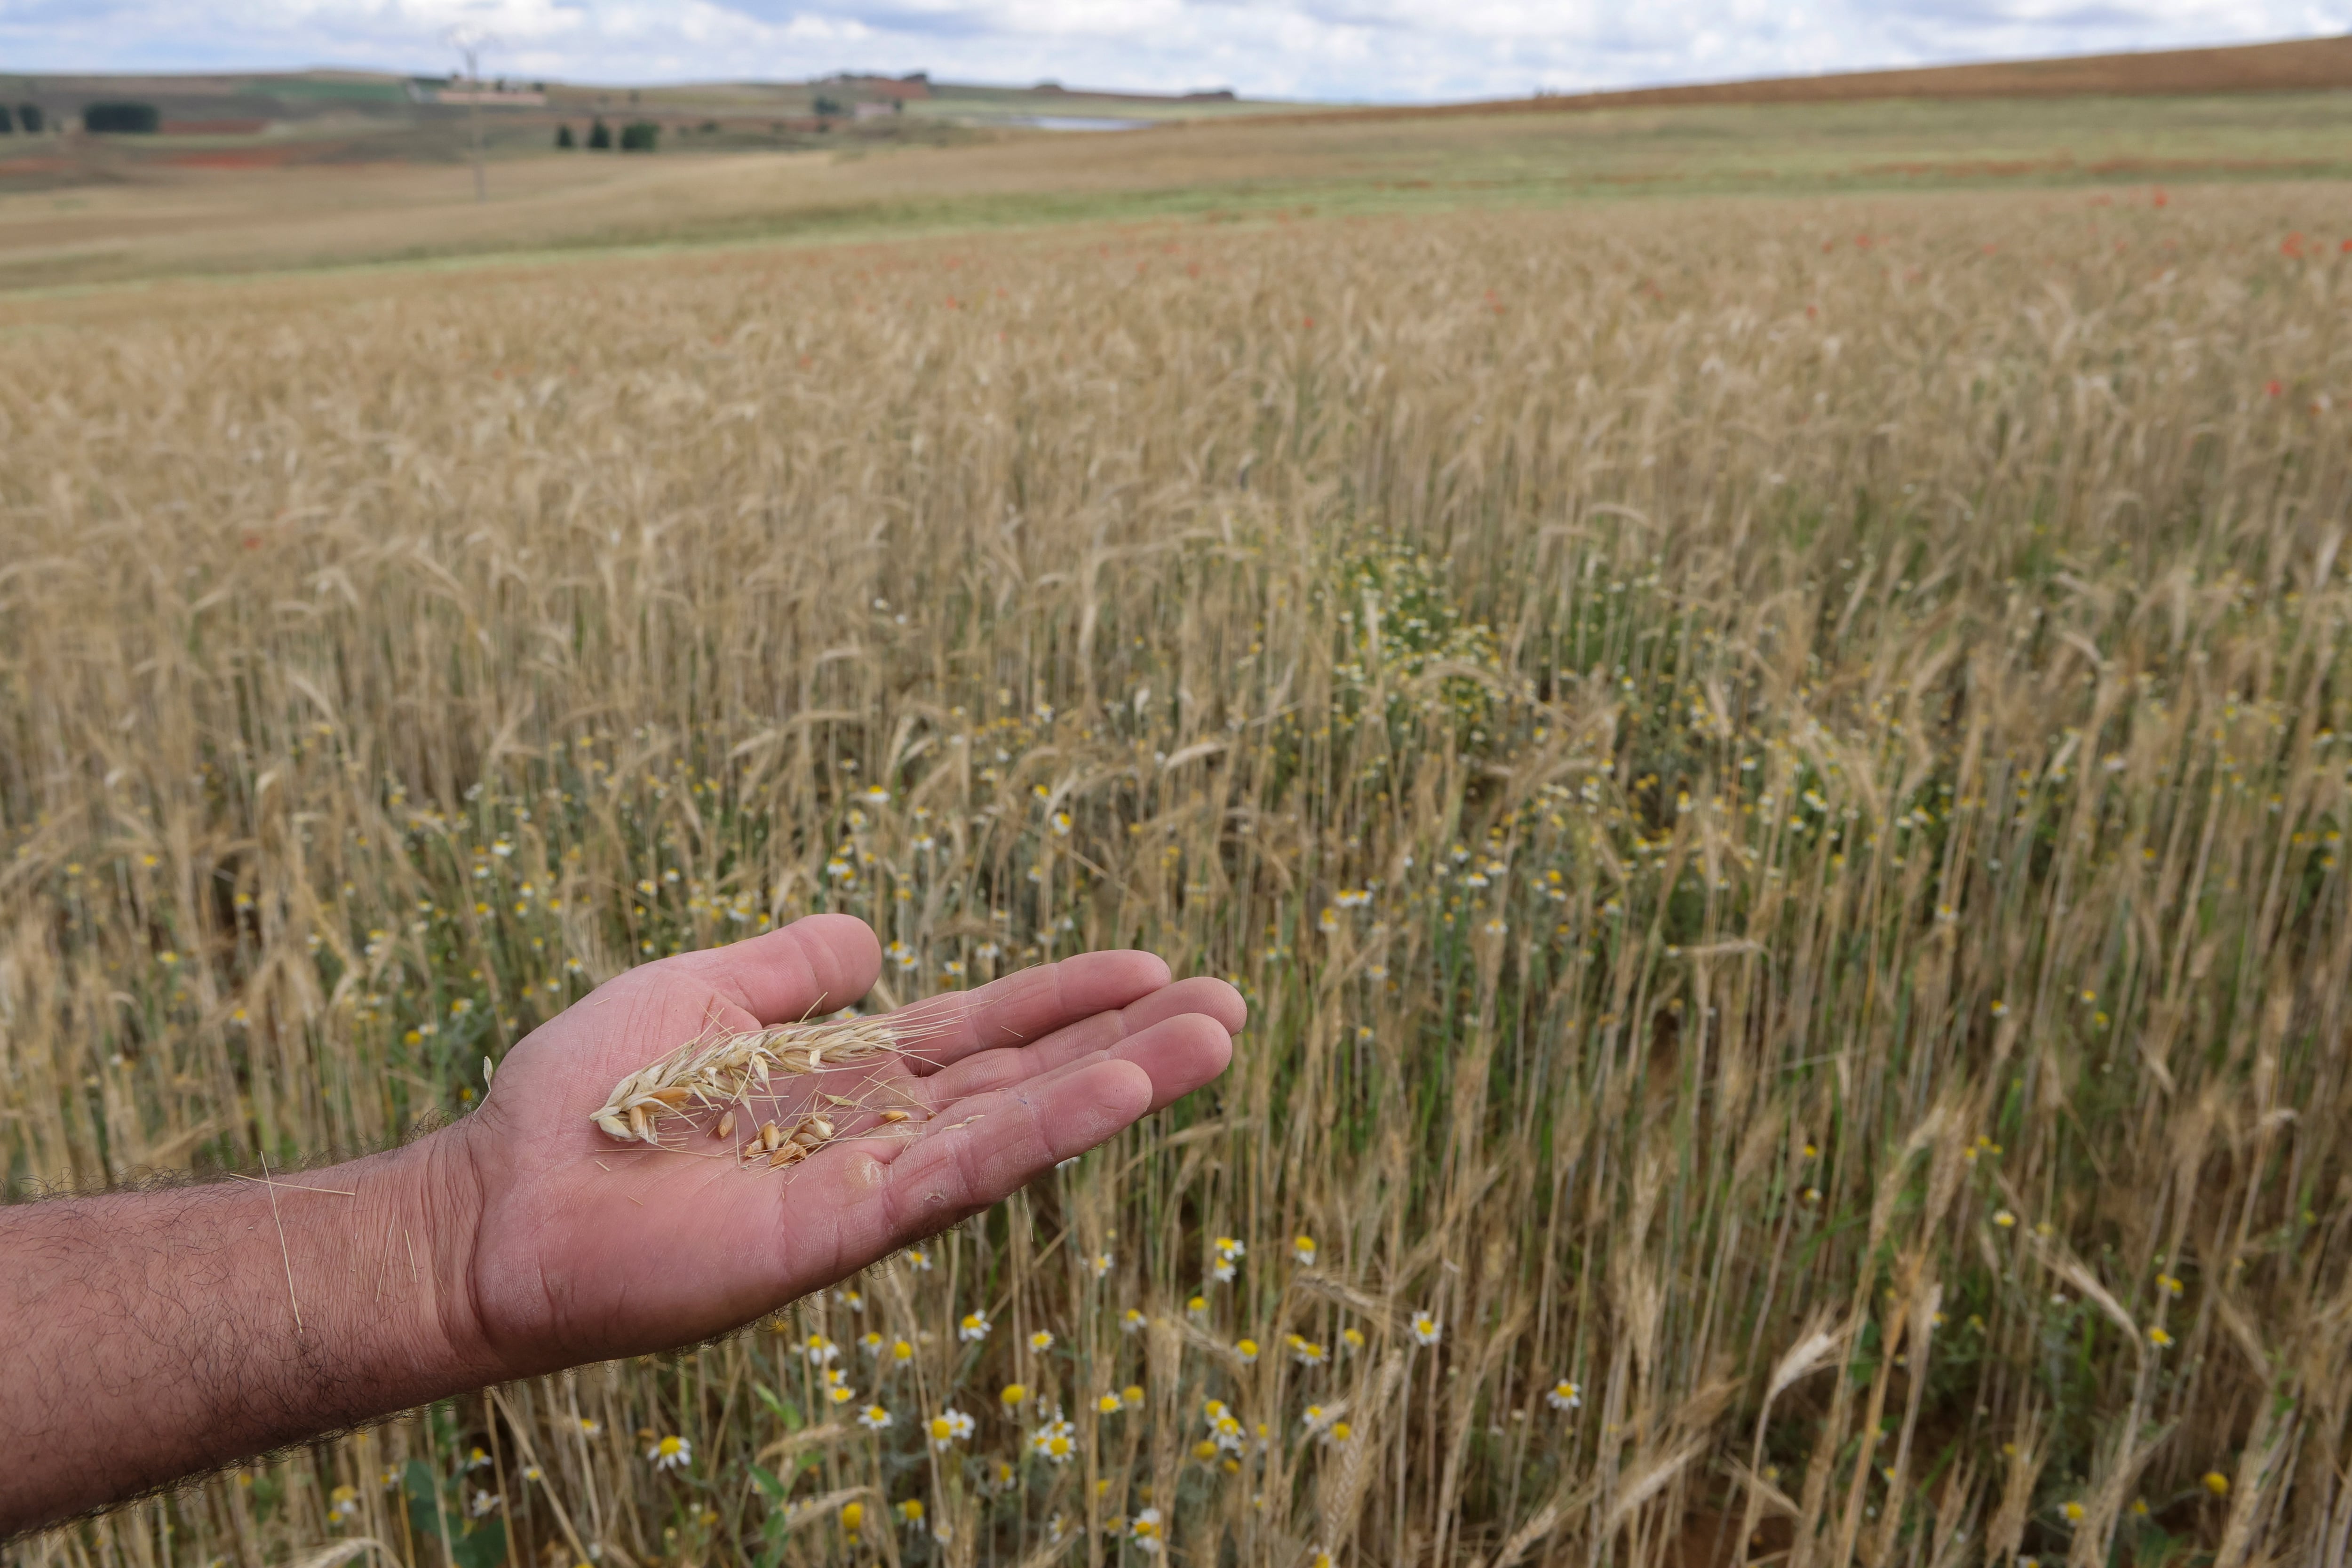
[{"x": 588, "y": 1249}]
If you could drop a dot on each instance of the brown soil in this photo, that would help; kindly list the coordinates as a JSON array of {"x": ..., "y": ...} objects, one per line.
[
  {"x": 2305, "y": 64},
  {"x": 215, "y": 127}
]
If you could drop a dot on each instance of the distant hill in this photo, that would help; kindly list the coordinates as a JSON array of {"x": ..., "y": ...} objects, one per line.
[
  {"x": 266, "y": 120},
  {"x": 2302, "y": 65},
  {"x": 292, "y": 101}
]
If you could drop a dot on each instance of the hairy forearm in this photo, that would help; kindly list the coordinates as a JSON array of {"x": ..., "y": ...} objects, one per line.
[{"x": 157, "y": 1334}]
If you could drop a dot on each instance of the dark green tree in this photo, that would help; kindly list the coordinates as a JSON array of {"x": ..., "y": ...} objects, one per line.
[
  {"x": 30, "y": 113},
  {"x": 122, "y": 119},
  {"x": 600, "y": 136},
  {"x": 639, "y": 136},
  {"x": 563, "y": 138}
]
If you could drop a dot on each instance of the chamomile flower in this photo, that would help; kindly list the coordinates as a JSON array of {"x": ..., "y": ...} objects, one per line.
[
  {"x": 1108, "y": 1405},
  {"x": 910, "y": 1512},
  {"x": 1351, "y": 1339},
  {"x": 672, "y": 1453},
  {"x": 1564, "y": 1395},
  {"x": 1100, "y": 1264},
  {"x": 1426, "y": 1329},
  {"x": 1131, "y": 1321},
  {"x": 1222, "y": 1273},
  {"x": 1014, "y": 1394},
  {"x": 823, "y": 1352},
  {"x": 1302, "y": 1248},
  {"x": 901, "y": 1352},
  {"x": 1247, "y": 1350},
  {"x": 1145, "y": 1531},
  {"x": 1041, "y": 1342},
  {"x": 343, "y": 1504},
  {"x": 1056, "y": 1442},
  {"x": 1307, "y": 1353},
  {"x": 870, "y": 1343},
  {"x": 873, "y": 1418},
  {"x": 918, "y": 1261},
  {"x": 973, "y": 1328},
  {"x": 950, "y": 1427}
]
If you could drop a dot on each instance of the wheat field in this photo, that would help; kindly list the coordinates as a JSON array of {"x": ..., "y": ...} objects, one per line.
[{"x": 1772, "y": 773}]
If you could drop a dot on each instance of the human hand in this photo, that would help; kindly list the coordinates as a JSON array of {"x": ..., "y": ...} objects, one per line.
[{"x": 583, "y": 1248}]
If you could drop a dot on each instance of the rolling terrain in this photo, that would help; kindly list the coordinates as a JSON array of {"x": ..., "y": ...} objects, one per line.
[{"x": 137, "y": 214}]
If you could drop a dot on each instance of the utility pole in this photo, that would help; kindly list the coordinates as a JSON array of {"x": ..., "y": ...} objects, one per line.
[{"x": 469, "y": 43}]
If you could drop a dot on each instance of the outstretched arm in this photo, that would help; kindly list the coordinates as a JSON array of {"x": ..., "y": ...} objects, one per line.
[{"x": 157, "y": 1334}]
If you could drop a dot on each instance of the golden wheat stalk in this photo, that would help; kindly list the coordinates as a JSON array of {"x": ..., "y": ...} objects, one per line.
[{"x": 715, "y": 1073}]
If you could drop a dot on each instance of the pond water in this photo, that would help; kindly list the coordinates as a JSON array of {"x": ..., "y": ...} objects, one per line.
[{"x": 1078, "y": 122}]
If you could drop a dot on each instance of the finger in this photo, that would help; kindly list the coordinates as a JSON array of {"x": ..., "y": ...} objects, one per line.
[
  {"x": 1179, "y": 1056},
  {"x": 1029, "y": 1004},
  {"x": 985, "y": 1070},
  {"x": 999, "y": 1142},
  {"x": 816, "y": 964}
]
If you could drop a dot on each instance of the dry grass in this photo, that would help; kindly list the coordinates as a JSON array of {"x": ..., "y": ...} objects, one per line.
[{"x": 1773, "y": 775}]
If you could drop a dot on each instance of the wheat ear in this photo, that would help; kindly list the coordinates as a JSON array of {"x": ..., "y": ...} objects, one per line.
[{"x": 718, "y": 1072}]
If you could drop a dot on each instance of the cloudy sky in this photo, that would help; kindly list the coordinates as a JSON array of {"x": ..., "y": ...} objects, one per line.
[{"x": 1383, "y": 50}]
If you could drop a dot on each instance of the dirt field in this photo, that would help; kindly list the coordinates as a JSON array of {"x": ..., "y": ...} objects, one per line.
[{"x": 2303, "y": 65}]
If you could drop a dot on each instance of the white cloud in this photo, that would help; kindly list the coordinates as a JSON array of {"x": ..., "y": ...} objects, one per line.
[{"x": 1365, "y": 49}]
